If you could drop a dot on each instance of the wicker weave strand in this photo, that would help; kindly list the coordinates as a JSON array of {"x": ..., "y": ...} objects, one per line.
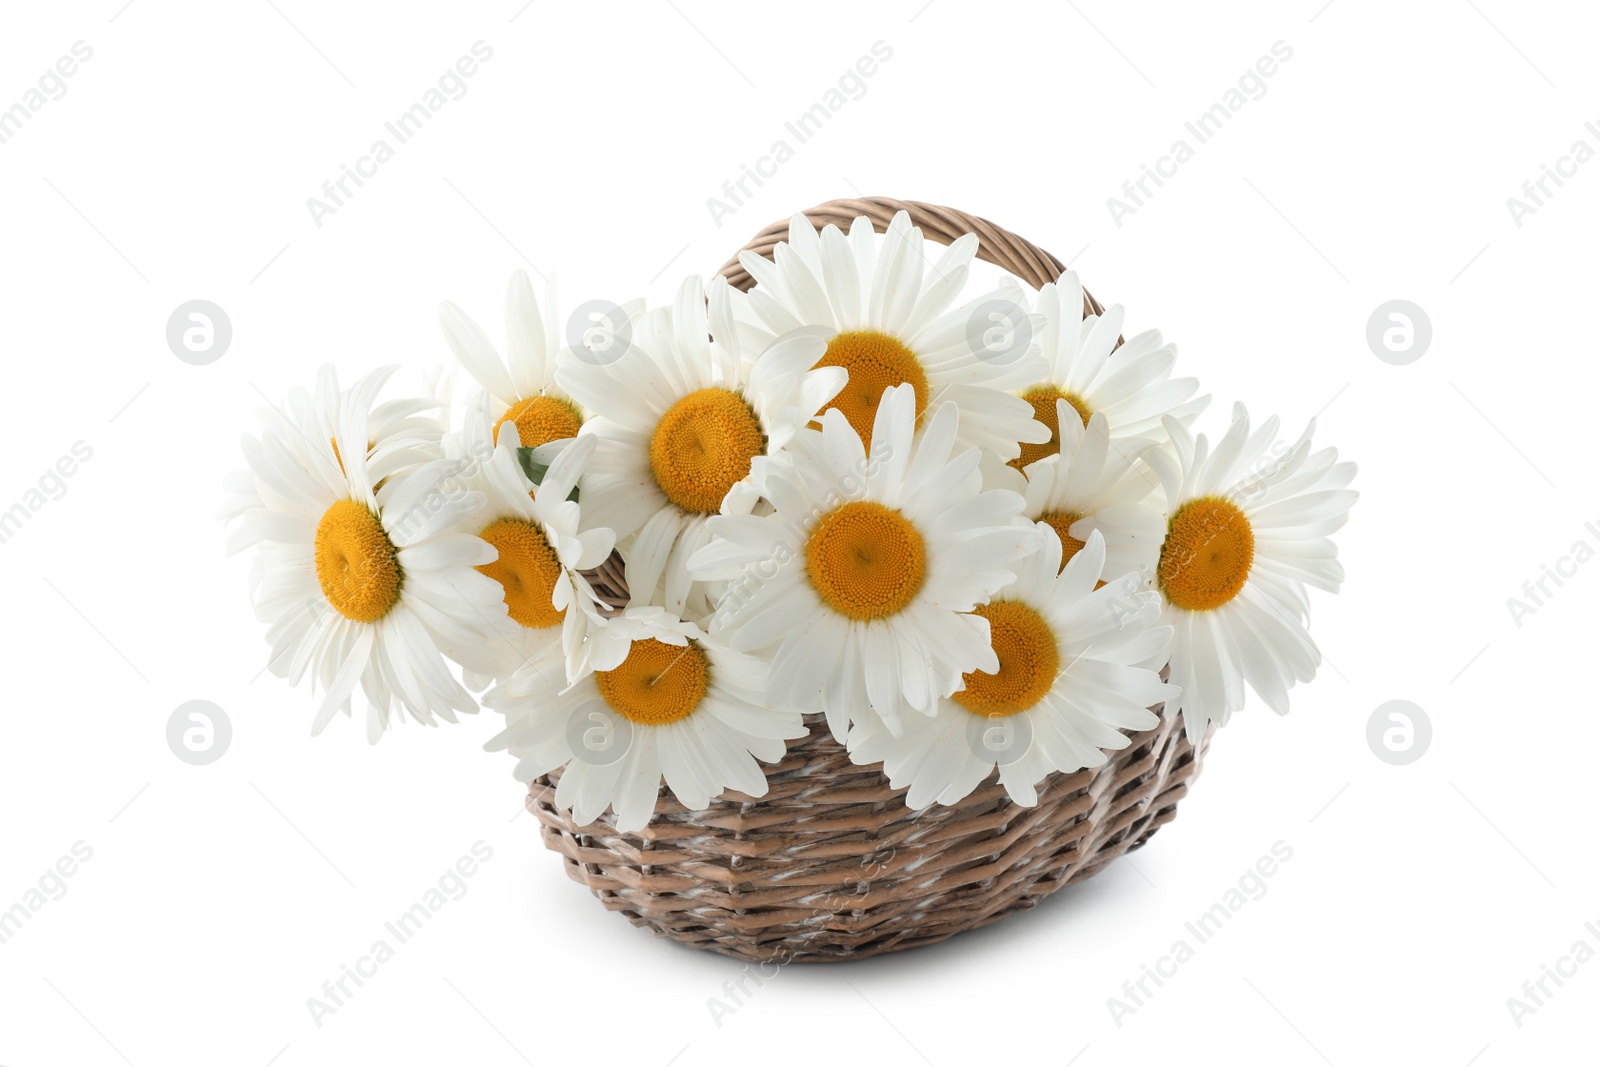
[{"x": 830, "y": 864}]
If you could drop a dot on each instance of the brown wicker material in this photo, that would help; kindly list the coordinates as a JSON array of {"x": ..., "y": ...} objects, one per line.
[
  {"x": 1003, "y": 248},
  {"x": 831, "y": 864}
]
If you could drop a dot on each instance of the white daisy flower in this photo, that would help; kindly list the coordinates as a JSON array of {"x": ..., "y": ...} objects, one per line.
[
  {"x": 362, "y": 574},
  {"x": 859, "y": 580},
  {"x": 886, "y": 314},
  {"x": 542, "y": 542},
  {"x": 1248, "y": 530},
  {"x": 523, "y": 384},
  {"x": 1131, "y": 383},
  {"x": 679, "y": 419},
  {"x": 1097, "y": 483},
  {"x": 679, "y": 705},
  {"x": 418, "y": 420},
  {"x": 1066, "y": 688}
]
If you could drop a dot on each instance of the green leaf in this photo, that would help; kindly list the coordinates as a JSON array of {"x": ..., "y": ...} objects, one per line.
[
  {"x": 531, "y": 467},
  {"x": 536, "y": 463}
]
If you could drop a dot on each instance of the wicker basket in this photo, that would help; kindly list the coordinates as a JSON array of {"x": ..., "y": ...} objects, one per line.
[{"x": 831, "y": 864}]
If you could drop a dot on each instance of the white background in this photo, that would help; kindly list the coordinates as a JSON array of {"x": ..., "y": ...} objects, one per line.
[{"x": 1376, "y": 166}]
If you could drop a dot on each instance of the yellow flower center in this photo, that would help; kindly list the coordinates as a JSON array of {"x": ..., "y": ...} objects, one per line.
[
  {"x": 1207, "y": 554},
  {"x": 702, "y": 447},
  {"x": 1061, "y": 522},
  {"x": 875, "y": 362},
  {"x": 657, "y": 684},
  {"x": 540, "y": 420},
  {"x": 1029, "y": 662},
  {"x": 865, "y": 560},
  {"x": 356, "y": 562},
  {"x": 1043, "y": 398},
  {"x": 527, "y": 570}
]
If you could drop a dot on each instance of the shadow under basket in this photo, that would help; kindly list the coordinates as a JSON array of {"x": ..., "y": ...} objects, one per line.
[{"x": 831, "y": 864}]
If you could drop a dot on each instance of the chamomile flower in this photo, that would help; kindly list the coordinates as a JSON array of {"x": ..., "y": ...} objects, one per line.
[
  {"x": 1066, "y": 688},
  {"x": 411, "y": 428},
  {"x": 886, "y": 312},
  {"x": 541, "y": 541},
  {"x": 1131, "y": 383},
  {"x": 1097, "y": 483},
  {"x": 362, "y": 573},
  {"x": 1248, "y": 530},
  {"x": 523, "y": 383},
  {"x": 857, "y": 584},
  {"x": 680, "y": 417},
  {"x": 680, "y": 705}
]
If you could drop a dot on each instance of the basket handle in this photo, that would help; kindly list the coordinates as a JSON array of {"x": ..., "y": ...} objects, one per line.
[{"x": 996, "y": 245}]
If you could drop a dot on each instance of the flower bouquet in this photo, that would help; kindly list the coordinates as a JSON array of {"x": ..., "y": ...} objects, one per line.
[{"x": 834, "y": 608}]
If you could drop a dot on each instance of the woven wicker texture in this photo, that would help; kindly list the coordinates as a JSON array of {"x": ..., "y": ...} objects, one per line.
[{"x": 831, "y": 864}]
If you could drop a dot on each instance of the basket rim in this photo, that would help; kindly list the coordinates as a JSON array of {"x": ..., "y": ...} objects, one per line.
[{"x": 996, "y": 244}]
